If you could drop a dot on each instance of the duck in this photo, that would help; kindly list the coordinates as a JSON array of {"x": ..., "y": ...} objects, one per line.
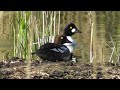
[{"x": 62, "y": 47}]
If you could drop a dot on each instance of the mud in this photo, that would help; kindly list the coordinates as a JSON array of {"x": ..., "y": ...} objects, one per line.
[{"x": 16, "y": 68}]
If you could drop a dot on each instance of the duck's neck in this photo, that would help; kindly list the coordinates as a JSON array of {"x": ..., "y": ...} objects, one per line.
[{"x": 57, "y": 39}]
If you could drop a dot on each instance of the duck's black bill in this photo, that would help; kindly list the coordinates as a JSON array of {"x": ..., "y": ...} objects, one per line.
[{"x": 78, "y": 31}]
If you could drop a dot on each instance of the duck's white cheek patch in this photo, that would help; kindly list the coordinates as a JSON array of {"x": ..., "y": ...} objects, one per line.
[{"x": 73, "y": 30}]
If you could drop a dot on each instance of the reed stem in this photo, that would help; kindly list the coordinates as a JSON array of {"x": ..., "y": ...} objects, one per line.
[{"x": 91, "y": 37}]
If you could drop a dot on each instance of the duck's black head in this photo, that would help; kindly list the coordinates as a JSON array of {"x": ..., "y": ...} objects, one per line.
[
  {"x": 71, "y": 29},
  {"x": 61, "y": 39}
]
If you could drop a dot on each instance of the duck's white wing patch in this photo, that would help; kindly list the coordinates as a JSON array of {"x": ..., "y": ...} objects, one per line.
[
  {"x": 54, "y": 49},
  {"x": 59, "y": 49},
  {"x": 64, "y": 48}
]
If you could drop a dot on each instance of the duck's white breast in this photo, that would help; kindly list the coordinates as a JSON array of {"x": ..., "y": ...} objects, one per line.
[{"x": 71, "y": 45}]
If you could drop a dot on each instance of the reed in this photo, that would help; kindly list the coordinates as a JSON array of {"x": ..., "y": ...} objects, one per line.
[
  {"x": 29, "y": 45},
  {"x": 59, "y": 23},
  {"x": 44, "y": 23},
  {"x": 114, "y": 57},
  {"x": 31, "y": 30},
  {"x": 91, "y": 37}
]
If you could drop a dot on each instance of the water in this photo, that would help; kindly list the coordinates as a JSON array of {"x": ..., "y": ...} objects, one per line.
[
  {"x": 106, "y": 28},
  {"x": 6, "y": 38}
]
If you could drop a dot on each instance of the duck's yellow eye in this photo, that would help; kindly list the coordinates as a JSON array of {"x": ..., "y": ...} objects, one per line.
[
  {"x": 61, "y": 37},
  {"x": 70, "y": 27}
]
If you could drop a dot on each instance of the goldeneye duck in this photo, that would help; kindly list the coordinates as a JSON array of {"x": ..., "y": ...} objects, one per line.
[
  {"x": 70, "y": 30},
  {"x": 62, "y": 47}
]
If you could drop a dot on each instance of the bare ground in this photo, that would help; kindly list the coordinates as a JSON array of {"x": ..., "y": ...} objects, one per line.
[{"x": 16, "y": 68}]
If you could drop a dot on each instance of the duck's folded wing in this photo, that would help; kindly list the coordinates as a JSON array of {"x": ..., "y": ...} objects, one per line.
[
  {"x": 60, "y": 49},
  {"x": 54, "y": 47}
]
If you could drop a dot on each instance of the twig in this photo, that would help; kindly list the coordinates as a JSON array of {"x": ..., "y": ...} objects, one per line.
[{"x": 112, "y": 54}]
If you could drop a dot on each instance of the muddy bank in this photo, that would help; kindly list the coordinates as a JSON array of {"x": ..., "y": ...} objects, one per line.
[{"x": 16, "y": 68}]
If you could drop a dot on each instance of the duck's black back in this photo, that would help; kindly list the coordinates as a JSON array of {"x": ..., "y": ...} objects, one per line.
[{"x": 53, "y": 52}]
